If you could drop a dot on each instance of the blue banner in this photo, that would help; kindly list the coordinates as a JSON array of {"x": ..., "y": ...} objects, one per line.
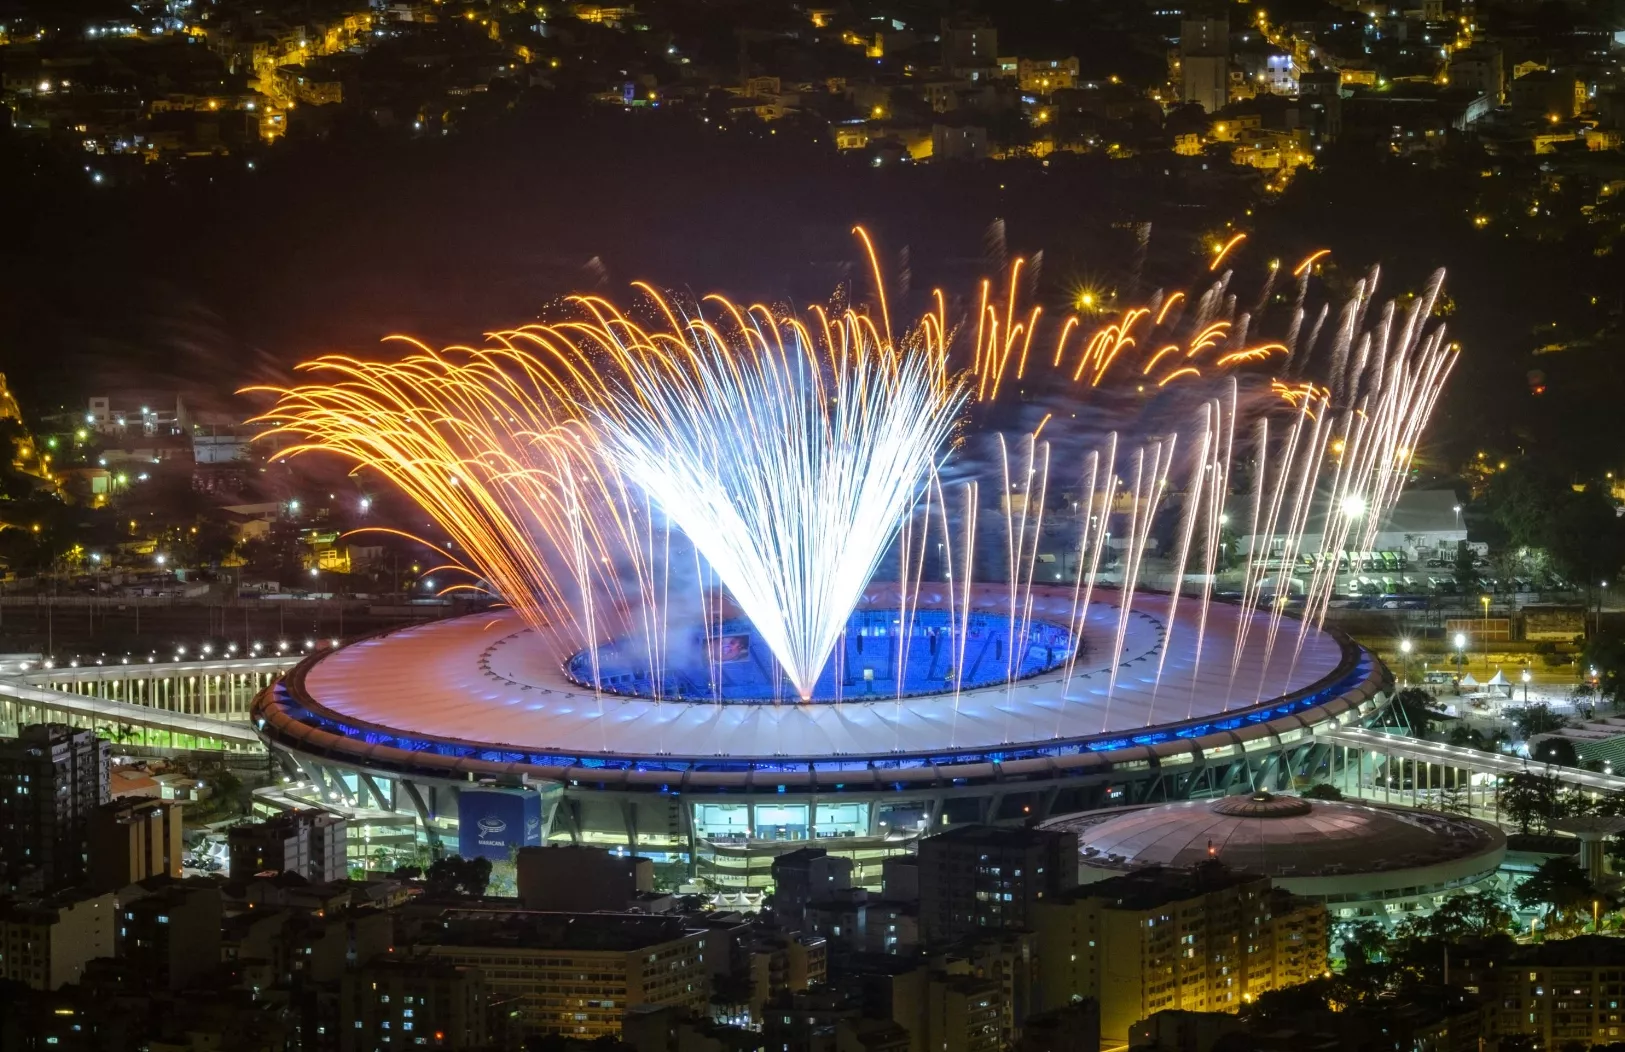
[{"x": 493, "y": 823}]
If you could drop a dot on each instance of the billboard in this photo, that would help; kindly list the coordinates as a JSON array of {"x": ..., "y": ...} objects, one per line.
[
  {"x": 730, "y": 648},
  {"x": 493, "y": 823}
]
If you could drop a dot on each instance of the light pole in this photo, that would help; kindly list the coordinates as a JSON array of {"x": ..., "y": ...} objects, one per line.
[
  {"x": 1525, "y": 678},
  {"x": 1484, "y": 635},
  {"x": 1461, "y": 646},
  {"x": 1405, "y": 648}
]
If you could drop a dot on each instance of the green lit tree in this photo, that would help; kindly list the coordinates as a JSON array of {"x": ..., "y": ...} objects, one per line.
[{"x": 1562, "y": 888}]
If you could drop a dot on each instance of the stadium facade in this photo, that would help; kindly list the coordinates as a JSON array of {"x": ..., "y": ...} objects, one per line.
[{"x": 458, "y": 724}]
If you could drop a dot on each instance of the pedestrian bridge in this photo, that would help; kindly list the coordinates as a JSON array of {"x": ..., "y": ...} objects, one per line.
[
  {"x": 1389, "y": 767},
  {"x": 168, "y": 705}
]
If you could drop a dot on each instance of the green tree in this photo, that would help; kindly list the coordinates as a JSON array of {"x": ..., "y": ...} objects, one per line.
[
  {"x": 1362, "y": 943},
  {"x": 208, "y": 542},
  {"x": 1472, "y": 916},
  {"x": 1322, "y": 791},
  {"x": 1556, "y": 751},
  {"x": 1562, "y": 888},
  {"x": 1466, "y": 568},
  {"x": 1538, "y": 718},
  {"x": 456, "y": 875},
  {"x": 1530, "y": 799},
  {"x": 230, "y": 791},
  {"x": 1411, "y": 708},
  {"x": 1522, "y": 500},
  {"x": 1464, "y": 736},
  {"x": 1586, "y": 538},
  {"x": 1605, "y": 652}
]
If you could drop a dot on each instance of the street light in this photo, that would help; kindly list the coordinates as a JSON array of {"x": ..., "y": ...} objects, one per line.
[
  {"x": 1525, "y": 678},
  {"x": 1485, "y": 635},
  {"x": 1461, "y": 645}
]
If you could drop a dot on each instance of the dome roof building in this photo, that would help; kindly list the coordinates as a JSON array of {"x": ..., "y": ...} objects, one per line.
[{"x": 1361, "y": 860}]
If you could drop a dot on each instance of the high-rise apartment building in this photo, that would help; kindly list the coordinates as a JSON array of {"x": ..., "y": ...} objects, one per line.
[
  {"x": 940, "y": 1009},
  {"x": 1200, "y": 940},
  {"x": 970, "y": 46},
  {"x": 1560, "y": 992},
  {"x": 980, "y": 877},
  {"x": 575, "y": 974},
  {"x": 576, "y": 878},
  {"x": 309, "y": 843},
  {"x": 52, "y": 779},
  {"x": 171, "y": 933},
  {"x": 806, "y": 876},
  {"x": 46, "y": 943},
  {"x": 413, "y": 1004},
  {"x": 133, "y": 839},
  {"x": 1204, "y": 62}
]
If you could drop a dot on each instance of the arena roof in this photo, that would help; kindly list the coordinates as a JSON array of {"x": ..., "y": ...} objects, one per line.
[
  {"x": 1276, "y": 836},
  {"x": 488, "y": 679}
]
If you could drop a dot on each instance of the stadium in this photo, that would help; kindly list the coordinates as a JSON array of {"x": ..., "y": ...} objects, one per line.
[
  {"x": 687, "y": 510},
  {"x": 480, "y": 731}
]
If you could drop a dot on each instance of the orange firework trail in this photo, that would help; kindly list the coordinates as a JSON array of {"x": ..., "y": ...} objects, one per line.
[
  {"x": 786, "y": 448},
  {"x": 1136, "y": 342},
  {"x": 793, "y": 449}
]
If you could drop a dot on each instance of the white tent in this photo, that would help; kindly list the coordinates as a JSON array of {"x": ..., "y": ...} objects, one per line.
[
  {"x": 1468, "y": 681},
  {"x": 1499, "y": 684}
]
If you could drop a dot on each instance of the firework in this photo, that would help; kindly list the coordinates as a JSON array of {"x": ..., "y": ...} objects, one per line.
[{"x": 795, "y": 450}]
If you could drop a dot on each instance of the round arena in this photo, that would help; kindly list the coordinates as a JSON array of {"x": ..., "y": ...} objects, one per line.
[
  {"x": 1364, "y": 861},
  {"x": 712, "y": 771}
]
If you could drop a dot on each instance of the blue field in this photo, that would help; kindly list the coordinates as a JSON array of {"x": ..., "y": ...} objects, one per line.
[{"x": 735, "y": 665}]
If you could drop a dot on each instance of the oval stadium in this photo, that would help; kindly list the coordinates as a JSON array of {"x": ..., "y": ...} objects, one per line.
[{"x": 486, "y": 736}]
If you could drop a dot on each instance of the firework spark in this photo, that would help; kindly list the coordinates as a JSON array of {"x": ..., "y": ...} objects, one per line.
[
  {"x": 791, "y": 449},
  {"x": 788, "y": 454}
]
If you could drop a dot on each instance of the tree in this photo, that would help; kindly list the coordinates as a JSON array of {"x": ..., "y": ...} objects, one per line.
[
  {"x": 1466, "y": 568},
  {"x": 1605, "y": 652},
  {"x": 456, "y": 875},
  {"x": 1322, "y": 791},
  {"x": 1410, "y": 708},
  {"x": 208, "y": 542},
  {"x": 1530, "y": 799},
  {"x": 1586, "y": 538},
  {"x": 1472, "y": 916},
  {"x": 1557, "y": 751},
  {"x": 1464, "y": 736},
  {"x": 1562, "y": 887},
  {"x": 1538, "y": 718},
  {"x": 1522, "y": 500},
  {"x": 1363, "y": 943},
  {"x": 1534, "y": 507},
  {"x": 230, "y": 791}
]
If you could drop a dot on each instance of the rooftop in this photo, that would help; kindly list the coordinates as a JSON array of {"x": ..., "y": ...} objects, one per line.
[
  {"x": 995, "y": 836},
  {"x": 1278, "y": 836},
  {"x": 541, "y": 930},
  {"x": 1145, "y": 889}
]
